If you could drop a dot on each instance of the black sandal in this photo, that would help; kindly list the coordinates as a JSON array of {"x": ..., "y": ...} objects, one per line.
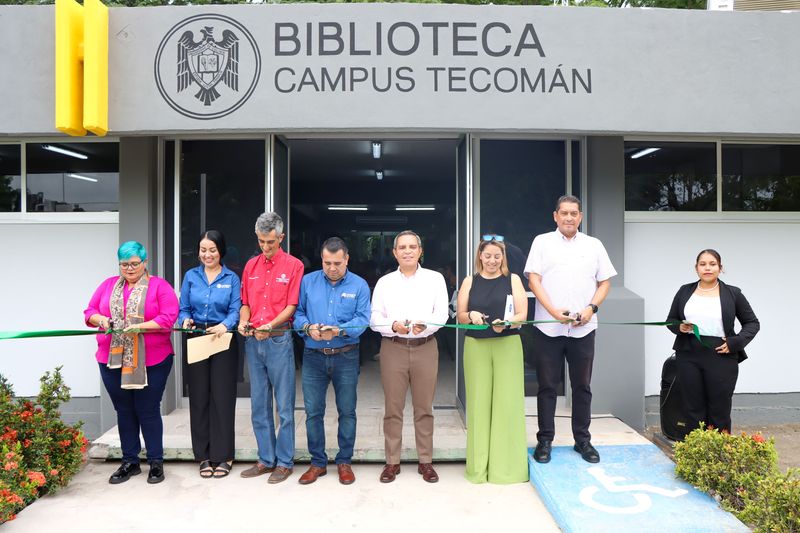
[
  {"x": 206, "y": 469},
  {"x": 223, "y": 469}
]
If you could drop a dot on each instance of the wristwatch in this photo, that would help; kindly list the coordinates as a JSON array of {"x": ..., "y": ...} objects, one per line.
[{"x": 594, "y": 307}]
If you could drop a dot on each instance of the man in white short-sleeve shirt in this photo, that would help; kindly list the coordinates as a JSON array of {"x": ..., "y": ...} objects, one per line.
[{"x": 569, "y": 273}]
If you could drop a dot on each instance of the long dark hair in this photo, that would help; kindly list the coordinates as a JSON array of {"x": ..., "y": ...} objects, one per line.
[{"x": 217, "y": 238}]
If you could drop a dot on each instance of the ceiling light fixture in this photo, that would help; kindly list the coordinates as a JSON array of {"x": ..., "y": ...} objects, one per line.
[
  {"x": 347, "y": 208},
  {"x": 415, "y": 208},
  {"x": 81, "y": 177},
  {"x": 642, "y": 153},
  {"x": 64, "y": 151},
  {"x": 379, "y": 174},
  {"x": 376, "y": 149}
]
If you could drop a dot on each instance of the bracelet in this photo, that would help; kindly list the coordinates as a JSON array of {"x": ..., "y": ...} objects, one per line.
[{"x": 306, "y": 328}]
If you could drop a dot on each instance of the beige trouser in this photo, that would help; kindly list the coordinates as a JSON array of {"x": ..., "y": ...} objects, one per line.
[{"x": 419, "y": 366}]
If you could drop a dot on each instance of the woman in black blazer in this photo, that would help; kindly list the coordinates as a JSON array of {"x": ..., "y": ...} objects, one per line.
[{"x": 708, "y": 372}]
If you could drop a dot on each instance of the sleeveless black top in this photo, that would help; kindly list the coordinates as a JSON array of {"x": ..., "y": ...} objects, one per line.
[{"x": 488, "y": 296}]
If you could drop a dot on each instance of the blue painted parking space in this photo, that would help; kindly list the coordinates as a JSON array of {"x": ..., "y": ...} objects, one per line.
[{"x": 632, "y": 489}]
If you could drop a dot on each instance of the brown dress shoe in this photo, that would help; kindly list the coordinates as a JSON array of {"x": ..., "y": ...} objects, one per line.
[
  {"x": 256, "y": 470},
  {"x": 389, "y": 473},
  {"x": 280, "y": 474},
  {"x": 428, "y": 473},
  {"x": 346, "y": 475},
  {"x": 311, "y": 475}
]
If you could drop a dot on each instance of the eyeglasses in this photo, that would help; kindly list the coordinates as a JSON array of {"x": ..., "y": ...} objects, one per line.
[
  {"x": 133, "y": 265},
  {"x": 493, "y": 237}
]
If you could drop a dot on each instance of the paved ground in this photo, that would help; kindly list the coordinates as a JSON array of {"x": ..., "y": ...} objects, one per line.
[{"x": 186, "y": 503}]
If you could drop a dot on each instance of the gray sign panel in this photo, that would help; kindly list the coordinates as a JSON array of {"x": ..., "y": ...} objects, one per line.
[{"x": 424, "y": 67}]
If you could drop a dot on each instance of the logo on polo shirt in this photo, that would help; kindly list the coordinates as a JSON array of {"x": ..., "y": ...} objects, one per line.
[
  {"x": 217, "y": 68},
  {"x": 282, "y": 279},
  {"x": 223, "y": 285},
  {"x": 348, "y": 295}
]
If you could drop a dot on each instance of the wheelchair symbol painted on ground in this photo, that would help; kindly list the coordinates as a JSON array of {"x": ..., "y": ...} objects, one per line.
[{"x": 612, "y": 484}]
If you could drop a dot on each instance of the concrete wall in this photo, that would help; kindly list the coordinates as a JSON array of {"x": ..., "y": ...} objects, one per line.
[
  {"x": 50, "y": 271},
  {"x": 757, "y": 255},
  {"x": 617, "y": 379},
  {"x": 652, "y": 71}
]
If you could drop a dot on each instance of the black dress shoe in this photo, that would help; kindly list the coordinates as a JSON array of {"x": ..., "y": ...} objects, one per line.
[
  {"x": 587, "y": 451},
  {"x": 542, "y": 452},
  {"x": 156, "y": 474},
  {"x": 124, "y": 473}
]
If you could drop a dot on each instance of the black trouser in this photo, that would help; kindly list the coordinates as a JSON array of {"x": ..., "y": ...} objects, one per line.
[
  {"x": 550, "y": 355},
  {"x": 212, "y": 403},
  {"x": 707, "y": 381}
]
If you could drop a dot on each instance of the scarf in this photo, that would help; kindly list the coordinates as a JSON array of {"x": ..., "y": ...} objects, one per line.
[{"x": 127, "y": 349}]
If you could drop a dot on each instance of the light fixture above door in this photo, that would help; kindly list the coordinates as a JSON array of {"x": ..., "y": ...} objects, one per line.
[{"x": 376, "y": 149}]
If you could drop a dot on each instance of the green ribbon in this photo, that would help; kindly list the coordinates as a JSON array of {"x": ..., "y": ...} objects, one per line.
[{"x": 81, "y": 332}]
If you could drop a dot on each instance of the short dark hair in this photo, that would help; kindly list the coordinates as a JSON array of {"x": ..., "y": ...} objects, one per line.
[
  {"x": 217, "y": 238},
  {"x": 709, "y": 251},
  {"x": 570, "y": 199},
  {"x": 333, "y": 245}
]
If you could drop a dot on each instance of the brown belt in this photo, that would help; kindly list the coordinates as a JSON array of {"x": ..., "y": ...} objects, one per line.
[
  {"x": 334, "y": 351},
  {"x": 272, "y": 333},
  {"x": 419, "y": 341}
]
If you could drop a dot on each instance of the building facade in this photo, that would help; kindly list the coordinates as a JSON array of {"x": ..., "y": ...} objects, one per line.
[{"x": 679, "y": 129}]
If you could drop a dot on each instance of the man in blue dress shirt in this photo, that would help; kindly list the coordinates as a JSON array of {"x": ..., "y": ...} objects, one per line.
[{"x": 333, "y": 311}]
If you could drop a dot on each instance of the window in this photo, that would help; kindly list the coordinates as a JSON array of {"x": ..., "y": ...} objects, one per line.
[
  {"x": 10, "y": 178},
  {"x": 670, "y": 176},
  {"x": 72, "y": 177},
  {"x": 760, "y": 177}
]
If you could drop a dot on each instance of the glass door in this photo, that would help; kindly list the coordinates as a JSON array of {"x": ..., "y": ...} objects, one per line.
[{"x": 221, "y": 184}]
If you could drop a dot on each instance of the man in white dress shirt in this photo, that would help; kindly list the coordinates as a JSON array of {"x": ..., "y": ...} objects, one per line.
[
  {"x": 569, "y": 273},
  {"x": 406, "y": 304}
]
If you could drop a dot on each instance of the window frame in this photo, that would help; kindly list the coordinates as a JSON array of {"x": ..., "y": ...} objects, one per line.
[
  {"x": 26, "y": 217},
  {"x": 719, "y": 215}
]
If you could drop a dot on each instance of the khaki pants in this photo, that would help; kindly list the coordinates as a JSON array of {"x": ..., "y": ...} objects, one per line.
[{"x": 401, "y": 366}]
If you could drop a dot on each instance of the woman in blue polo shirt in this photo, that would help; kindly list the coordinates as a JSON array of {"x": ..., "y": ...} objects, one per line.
[{"x": 210, "y": 301}]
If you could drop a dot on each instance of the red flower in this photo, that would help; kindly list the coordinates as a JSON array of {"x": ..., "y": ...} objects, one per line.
[
  {"x": 11, "y": 466},
  {"x": 54, "y": 472},
  {"x": 37, "y": 478},
  {"x": 26, "y": 443},
  {"x": 759, "y": 439}
]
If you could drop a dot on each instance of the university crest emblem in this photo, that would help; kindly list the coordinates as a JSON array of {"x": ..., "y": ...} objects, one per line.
[{"x": 217, "y": 68}]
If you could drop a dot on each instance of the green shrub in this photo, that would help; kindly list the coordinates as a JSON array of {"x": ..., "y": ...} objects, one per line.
[
  {"x": 726, "y": 466},
  {"x": 40, "y": 453},
  {"x": 774, "y": 505}
]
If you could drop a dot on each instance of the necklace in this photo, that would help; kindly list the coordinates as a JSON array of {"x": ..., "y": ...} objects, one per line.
[{"x": 699, "y": 288}]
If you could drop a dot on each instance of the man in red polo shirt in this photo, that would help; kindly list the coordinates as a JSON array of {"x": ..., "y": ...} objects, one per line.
[{"x": 270, "y": 293}]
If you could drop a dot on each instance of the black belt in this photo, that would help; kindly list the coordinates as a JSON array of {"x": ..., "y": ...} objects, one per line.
[
  {"x": 334, "y": 351},
  {"x": 417, "y": 341}
]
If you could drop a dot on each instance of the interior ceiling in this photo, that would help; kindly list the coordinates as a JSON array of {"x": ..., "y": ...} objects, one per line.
[{"x": 351, "y": 160}]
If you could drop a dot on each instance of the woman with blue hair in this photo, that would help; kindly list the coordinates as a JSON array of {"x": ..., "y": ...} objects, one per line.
[{"x": 134, "y": 363}]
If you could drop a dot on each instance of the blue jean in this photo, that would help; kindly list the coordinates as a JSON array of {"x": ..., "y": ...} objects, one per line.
[
  {"x": 319, "y": 370},
  {"x": 139, "y": 410},
  {"x": 271, "y": 366}
]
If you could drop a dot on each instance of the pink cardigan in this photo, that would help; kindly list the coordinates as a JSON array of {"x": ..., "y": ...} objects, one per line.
[{"x": 160, "y": 305}]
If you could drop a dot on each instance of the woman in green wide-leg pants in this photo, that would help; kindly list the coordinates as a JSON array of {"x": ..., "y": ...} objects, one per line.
[{"x": 497, "y": 446}]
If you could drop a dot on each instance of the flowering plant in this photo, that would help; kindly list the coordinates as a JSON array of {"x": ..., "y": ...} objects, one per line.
[
  {"x": 724, "y": 465},
  {"x": 741, "y": 473},
  {"x": 40, "y": 453}
]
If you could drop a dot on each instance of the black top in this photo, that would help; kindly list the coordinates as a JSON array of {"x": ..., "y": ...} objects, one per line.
[
  {"x": 488, "y": 296},
  {"x": 734, "y": 305}
]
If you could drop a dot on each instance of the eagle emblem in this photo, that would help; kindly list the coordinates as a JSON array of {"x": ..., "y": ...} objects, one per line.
[{"x": 208, "y": 62}]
